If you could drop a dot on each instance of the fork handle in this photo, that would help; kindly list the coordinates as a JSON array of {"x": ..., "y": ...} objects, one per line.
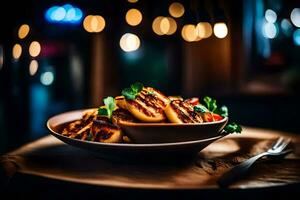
[{"x": 239, "y": 171}]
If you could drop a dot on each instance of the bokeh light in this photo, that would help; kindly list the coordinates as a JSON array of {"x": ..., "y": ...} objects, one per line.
[
  {"x": 286, "y": 27},
  {"x": 203, "y": 30},
  {"x": 1, "y": 56},
  {"x": 33, "y": 67},
  {"x": 133, "y": 17},
  {"x": 269, "y": 30},
  {"x": 59, "y": 14},
  {"x": 132, "y": 1},
  {"x": 94, "y": 23},
  {"x": 47, "y": 78},
  {"x": 23, "y": 31},
  {"x": 64, "y": 14},
  {"x": 17, "y": 51},
  {"x": 220, "y": 30},
  {"x": 129, "y": 42},
  {"x": 164, "y": 25},
  {"x": 156, "y": 25},
  {"x": 176, "y": 9},
  {"x": 34, "y": 49},
  {"x": 296, "y": 37},
  {"x": 172, "y": 26},
  {"x": 270, "y": 16},
  {"x": 189, "y": 34},
  {"x": 295, "y": 17}
]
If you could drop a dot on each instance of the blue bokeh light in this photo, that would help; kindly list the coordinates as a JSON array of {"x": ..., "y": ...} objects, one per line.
[
  {"x": 296, "y": 37},
  {"x": 64, "y": 14},
  {"x": 286, "y": 27},
  {"x": 270, "y": 30}
]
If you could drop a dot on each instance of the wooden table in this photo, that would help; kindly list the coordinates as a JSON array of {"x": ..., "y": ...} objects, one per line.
[{"x": 51, "y": 159}]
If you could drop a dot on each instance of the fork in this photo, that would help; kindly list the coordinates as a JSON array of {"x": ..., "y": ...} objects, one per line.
[{"x": 241, "y": 169}]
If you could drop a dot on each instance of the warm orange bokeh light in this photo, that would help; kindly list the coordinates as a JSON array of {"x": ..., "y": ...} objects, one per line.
[{"x": 133, "y": 17}]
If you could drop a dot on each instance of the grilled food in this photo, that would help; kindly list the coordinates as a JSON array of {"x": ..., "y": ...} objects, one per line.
[
  {"x": 140, "y": 104},
  {"x": 148, "y": 105},
  {"x": 122, "y": 116},
  {"x": 179, "y": 111},
  {"x": 103, "y": 131}
]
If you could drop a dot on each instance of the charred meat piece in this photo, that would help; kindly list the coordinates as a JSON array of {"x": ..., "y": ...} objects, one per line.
[
  {"x": 148, "y": 105},
  {"x": 182, "y": 112},
  {"x": 103, "y": 131},
  {"x": 74, "y": 129},
  {"x": 122, "y": 116}
]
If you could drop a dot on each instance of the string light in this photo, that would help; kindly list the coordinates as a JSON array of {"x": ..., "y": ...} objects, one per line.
[
  {"x": 34, "y": 49},
  {"x": 132, "y": 1},
  {"x": 220, "y": 30},
  {"x": 23, "y": 31},
  {"x": 133, "y": 17},
  {"x": 172, "y": 26},
  {"x": 269, "y": 30},
  {"x": 270, "y": 16},
  {"x": 47, "y": 78},
  {"x": 64, "y": 14},
  {"x": 129, "y": 42},
  {"x": 17, "y": 51},
  {"x": 203, "y": 30},
  {"x": 94, "y": 23},
  {"x": 156, "y": 25},
  {"x": 164, "y": 25},
  {"x": 33, "y": 67},
  {"x": 189, "y": 33},
  {"x": 295, "y": 17},
  {"x": 176, "y": 9},
  {"x": 296, "y": 37}
]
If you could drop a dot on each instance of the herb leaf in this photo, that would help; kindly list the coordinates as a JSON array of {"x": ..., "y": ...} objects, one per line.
[
  {"x": 109, "y": 107},
  {"x": 200, "y": 108},
  {"x": 211, "y": 104},
  {"x": 223, "y": 111},
  {"x": 233, "y": 128},
  {"x": 136, "y": 87},
  {"x": 102, "y": 111},
  {"x": 130, "y": 93}
]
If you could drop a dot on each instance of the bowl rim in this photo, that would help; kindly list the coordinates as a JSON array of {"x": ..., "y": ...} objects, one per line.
[{"x": 132, "y": 124}]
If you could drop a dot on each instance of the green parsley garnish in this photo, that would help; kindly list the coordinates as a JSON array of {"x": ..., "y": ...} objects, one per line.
[
  {"x": 233, "y": 128},
  {"x": 109, "y": 107},
  {"x": 132, "y": 92},
  {"x": 200, "y": 108},
  {"x": 211, "y": 106}
]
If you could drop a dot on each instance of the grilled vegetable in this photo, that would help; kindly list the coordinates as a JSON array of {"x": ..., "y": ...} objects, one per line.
[
  {"x": 182, "y": 112},
  {"x": 106, "y": 132},
  {"x": 148, "y": 105},
  {"x": 121, "y": 116}
]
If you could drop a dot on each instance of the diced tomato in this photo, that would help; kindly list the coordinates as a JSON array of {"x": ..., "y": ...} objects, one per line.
[
  {"x": 217, "y": 117},
  {"x": 208, "y": 117},
  {"x": 194, "y": 101}
]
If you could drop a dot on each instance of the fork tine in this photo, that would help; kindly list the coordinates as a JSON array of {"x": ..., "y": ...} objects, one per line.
[
  {"x": 284, "y": 144},
  {"x": 278, "y": 142}
]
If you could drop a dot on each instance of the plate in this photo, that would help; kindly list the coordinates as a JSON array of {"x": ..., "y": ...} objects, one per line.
[{"x": 170, "y": 150}]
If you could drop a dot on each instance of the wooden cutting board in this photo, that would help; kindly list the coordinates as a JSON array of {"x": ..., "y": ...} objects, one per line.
[{"x": 50, "y": 158}]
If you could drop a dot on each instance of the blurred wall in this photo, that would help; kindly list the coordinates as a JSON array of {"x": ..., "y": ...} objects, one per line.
[{"x": 207, "y": 65}]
